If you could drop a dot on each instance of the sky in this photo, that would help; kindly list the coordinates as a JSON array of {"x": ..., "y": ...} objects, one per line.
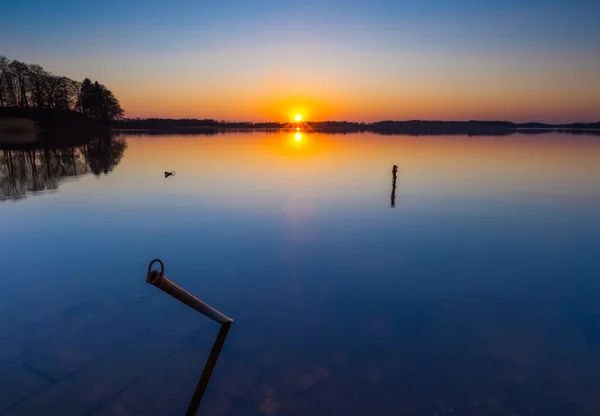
[{"x": 259, "y": 60}]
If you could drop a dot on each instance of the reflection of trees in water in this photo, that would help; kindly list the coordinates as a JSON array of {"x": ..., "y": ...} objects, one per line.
[
  {"x": 103, "y": 155},
  {"x": 38, "y": 170}
]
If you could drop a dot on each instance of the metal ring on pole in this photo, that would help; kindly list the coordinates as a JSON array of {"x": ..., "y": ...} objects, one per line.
[{"x": 162, "y": 269}]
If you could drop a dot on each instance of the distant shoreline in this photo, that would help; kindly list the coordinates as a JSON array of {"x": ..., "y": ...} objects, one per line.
[
  {"x": 69, "y": 125},
  {"x": 415, "y": 128},
  {"x": 383, "y": 127}
]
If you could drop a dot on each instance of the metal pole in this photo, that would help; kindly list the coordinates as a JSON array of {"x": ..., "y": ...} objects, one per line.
[
  {"x": 158, "y": 279},
  {"x": 211, "y": 362}
]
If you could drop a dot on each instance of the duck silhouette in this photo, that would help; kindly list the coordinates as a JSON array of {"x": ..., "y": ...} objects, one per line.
[{"x": 167, "y": 174}]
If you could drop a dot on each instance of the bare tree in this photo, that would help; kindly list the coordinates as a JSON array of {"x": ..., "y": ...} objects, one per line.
[
  {"x": 9, "y": 85},
  {"x": 37, "y": 85},
  {"x": 19, "y": 72},
  {"x": 4, "y": 61}
]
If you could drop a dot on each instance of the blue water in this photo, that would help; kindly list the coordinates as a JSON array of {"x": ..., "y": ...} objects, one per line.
[{"x": 476, "y": 294}]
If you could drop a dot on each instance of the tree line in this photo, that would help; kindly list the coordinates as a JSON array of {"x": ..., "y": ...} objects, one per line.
[{"x": 25, "y": 85}]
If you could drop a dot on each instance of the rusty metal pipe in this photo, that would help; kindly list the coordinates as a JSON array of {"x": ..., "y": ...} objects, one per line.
[{"x": 158, "y": 279}]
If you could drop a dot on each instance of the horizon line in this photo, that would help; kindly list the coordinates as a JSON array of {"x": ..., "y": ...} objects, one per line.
[{"x": 359, "y": 122}]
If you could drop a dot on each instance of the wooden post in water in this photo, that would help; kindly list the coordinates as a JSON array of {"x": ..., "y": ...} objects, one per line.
[
  {"x": 158, "y": 279},
  {"x": 394, "y": 177}
]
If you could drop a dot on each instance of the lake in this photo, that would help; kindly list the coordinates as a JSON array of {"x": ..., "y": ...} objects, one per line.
[{"x": 476, "y": 294}]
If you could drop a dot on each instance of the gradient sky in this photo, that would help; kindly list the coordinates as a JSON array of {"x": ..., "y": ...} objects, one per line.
[{"x": 522, "y": 60}]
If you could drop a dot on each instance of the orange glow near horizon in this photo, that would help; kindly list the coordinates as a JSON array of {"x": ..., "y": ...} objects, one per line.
[
  {"x": 548, "y": 106},
  {"x": 489, "y": 91}
]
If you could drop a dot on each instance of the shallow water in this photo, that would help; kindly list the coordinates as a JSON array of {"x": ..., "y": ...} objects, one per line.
[{"x": 476, "y": 294}]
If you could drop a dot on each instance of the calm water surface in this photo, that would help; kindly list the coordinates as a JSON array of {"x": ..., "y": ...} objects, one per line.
[{"x": 477, "y": 294}]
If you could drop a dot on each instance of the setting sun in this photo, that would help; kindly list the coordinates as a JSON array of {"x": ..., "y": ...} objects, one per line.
[{"x": 298, "y": 117}]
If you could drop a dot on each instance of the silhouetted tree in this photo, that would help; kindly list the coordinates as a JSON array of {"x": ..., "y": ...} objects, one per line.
[
  {"x": 19, "y": 78},
  {"x": 3, "y": 76},
  {"x": 68, "y": 94},
  {"x": 37, "y": 85},
  {"x": 98, "y": 102},
  {"x": 85, "y": 97}
]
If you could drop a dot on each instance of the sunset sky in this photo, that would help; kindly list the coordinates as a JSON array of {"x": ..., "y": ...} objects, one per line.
[{"x": 520, "y": 60}]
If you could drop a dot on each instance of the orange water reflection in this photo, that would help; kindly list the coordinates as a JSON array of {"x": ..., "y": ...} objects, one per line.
[{"x": 265, "y": 168}]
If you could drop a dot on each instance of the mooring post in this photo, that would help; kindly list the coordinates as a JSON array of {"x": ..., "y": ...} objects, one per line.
[{"x": 394, "y": 177}]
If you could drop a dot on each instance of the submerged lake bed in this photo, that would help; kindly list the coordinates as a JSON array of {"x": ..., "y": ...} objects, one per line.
[{"x": 475, "y": 293}]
